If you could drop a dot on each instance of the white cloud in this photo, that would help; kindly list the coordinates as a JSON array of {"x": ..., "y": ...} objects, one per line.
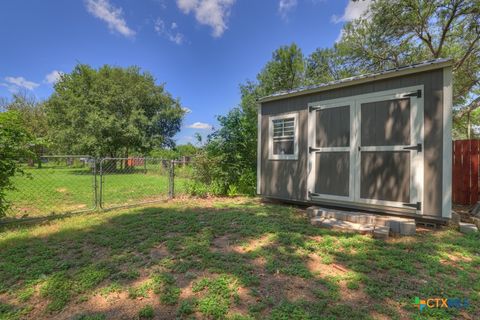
[
  {"x": 285, "y": 6},
  {"x": 213, "y": 13},
  {"x": 170, "y": 33},
  {"x": 200, "y": 125},
  {"x": 53, "y": 77},
  {"x": 353, "y": 10},
  {"x": 113, "y": 16},
  {"x": 187, "y": 110},
  {"x": 15, "y": 83}
]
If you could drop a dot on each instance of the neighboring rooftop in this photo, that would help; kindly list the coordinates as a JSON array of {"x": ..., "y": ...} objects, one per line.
[{"x": 413, "y": 68}]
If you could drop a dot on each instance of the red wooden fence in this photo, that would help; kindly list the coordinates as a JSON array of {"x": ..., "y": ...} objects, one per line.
[{"x": 465, "y": 171}]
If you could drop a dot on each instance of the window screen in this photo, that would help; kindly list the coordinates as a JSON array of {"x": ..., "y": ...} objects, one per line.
[{"x": 284, "y": 136}]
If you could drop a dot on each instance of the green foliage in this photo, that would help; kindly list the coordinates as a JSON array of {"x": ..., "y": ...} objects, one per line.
[
  {"x": 285, "y": 71},
  {"x": 96, "y": 316},
  {"x": 146, "y": 312},
  {"x": 33, "y": 115},
  {"x": 219, "y": 292},
  {"x": 328, "y": 64},
  {"x": 187, "y": 307},
  {"x": 177, "y": 152},
  {"x": 14, "y": 144},
  {"x": 111, "y": 111},
  {"x": 164, "y": 285},
  {"x": 57, "y": 289}
]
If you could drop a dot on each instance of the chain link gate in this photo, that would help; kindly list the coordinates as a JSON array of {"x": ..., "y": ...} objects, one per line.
[{"x": 129, "y": 181}]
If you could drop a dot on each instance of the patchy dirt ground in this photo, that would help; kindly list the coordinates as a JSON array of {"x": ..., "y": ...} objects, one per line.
[{"x": 228, "y": 259}]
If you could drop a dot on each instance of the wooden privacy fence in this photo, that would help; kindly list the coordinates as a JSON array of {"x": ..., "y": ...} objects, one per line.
[{"x": 465, "y": 171}]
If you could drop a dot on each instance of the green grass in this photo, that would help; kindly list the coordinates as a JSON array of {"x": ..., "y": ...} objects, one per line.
[
  {"x": 228, "y": 259},
  {"x": 57, "y": 188}
]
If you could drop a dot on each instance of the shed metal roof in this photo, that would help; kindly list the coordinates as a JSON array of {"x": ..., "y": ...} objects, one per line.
[{"x": 395, "y": 72}]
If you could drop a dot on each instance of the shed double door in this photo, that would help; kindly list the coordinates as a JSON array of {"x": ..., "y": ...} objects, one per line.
[{"x": 368, "y": 149}]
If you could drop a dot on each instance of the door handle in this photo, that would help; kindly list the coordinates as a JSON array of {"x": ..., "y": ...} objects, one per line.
[{"x": 418, "y": 147}]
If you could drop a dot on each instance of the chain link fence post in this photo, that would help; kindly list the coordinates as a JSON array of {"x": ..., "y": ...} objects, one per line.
[
  {"x": 93, "y": 166},
  {"x": 171, "y": 180}
]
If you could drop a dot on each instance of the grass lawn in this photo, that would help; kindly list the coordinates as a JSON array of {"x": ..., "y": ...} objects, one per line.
[
  {"x": 228, "y": 258},
  {"x": 57, "y": 188}
]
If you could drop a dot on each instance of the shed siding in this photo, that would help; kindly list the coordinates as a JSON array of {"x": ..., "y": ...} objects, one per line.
[{"x": 287, "y": 179}]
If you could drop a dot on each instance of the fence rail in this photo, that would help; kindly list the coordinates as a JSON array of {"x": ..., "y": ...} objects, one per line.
[{"x": 69, "y": 184}]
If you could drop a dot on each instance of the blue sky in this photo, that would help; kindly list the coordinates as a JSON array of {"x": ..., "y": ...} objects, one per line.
[{"x": 201, "y": 49}]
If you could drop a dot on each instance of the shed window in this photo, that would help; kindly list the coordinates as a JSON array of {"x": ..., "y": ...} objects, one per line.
[{"x": 283, "y": 137}]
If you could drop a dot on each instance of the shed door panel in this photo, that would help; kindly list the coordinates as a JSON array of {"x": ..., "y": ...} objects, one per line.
[
  {"x": 386, "y": 123},
  {"x": 387, "y": 153},
  {"x": 333, "y": 172},
  {"x": 385, "y": 175},
  {"x": 332, "y": 156},
  {"x": 333, "y": 127}
]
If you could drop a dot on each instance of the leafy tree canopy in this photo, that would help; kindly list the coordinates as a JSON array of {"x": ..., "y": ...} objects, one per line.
[{"x": 111, "y": 111}]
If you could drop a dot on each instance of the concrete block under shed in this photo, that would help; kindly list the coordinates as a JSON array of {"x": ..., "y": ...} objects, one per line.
[
  {"x": 468, "y": 227},
  {"x": 381, "y": 232}
]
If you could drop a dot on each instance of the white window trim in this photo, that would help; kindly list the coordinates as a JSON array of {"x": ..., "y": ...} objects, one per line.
[{"x": 293, "y": 156}]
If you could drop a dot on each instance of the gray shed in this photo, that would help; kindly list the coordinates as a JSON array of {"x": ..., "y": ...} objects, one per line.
[{"x": 378, "y": 142}]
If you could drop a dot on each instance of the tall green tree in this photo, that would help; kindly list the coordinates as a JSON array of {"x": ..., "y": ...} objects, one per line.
[
  {"x": 398, "y": 32},
  {"x": 328, "y": 64},
  {"x": 111, "y": 111},
  {"x": 229, "y": 157},
  {"x": 285, "y": 71}
]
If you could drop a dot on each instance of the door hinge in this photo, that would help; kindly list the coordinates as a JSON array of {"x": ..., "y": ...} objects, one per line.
[
  {"x": 418, "y": 147},
  {"x": 417, "y": 205},
  {"x": 310, "y": 149},
  {"x": 310, "y": 194},
  {"x": 417, "y": 94}
]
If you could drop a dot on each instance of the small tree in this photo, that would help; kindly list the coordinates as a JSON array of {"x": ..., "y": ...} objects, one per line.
[
  {"x": 14, "y": 145},
  {"x": 32, "y": 113},
  {"x": 228, "y": 160}
]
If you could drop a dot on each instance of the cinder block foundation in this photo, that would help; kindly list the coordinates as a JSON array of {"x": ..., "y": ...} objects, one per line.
[{"x": 379, "y": 226}]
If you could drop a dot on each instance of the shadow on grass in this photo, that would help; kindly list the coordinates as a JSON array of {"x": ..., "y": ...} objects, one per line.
[{"x": 261, "y": 261}]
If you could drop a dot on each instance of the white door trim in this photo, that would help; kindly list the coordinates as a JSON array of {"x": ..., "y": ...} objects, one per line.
[
  {"x": 312, "y": 124},
  {"x": 447, "y": 144},
  {"x": 417, "y": 136}
]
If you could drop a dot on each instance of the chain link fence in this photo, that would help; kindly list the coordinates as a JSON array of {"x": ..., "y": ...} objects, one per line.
[
  {"x": 52, "y": 185},
  {"x": 127, "y": 181},
  {"x": 69, "y": 184}
]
